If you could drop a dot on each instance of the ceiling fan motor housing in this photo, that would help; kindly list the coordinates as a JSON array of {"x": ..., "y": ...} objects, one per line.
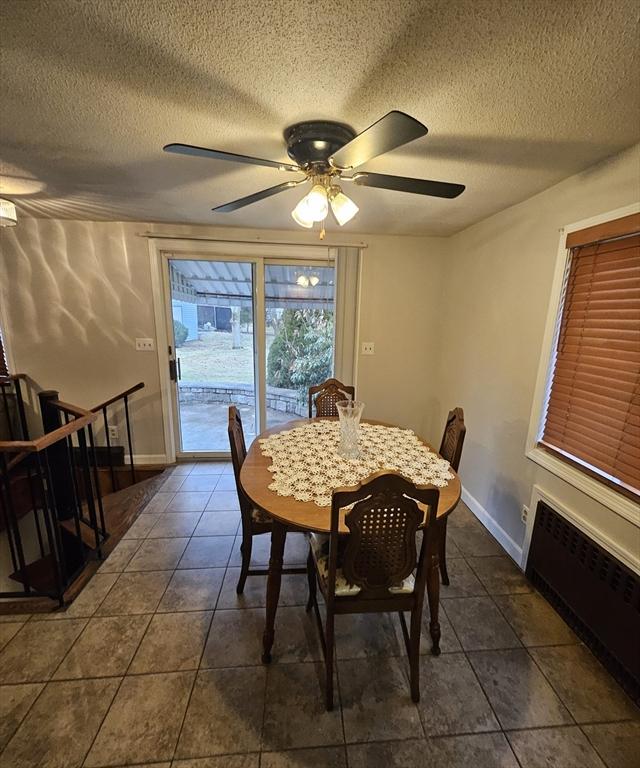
[{"x": 311, "y": 144}]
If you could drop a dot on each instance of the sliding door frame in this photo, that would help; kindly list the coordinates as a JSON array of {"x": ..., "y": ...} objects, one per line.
[{"x": 164, "y": 250}]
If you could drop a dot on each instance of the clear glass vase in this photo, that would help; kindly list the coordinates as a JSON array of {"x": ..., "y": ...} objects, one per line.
[{"x": 349, "y": 413}]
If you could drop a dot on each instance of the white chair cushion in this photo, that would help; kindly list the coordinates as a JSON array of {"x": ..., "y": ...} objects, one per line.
[
  {"x": 320, "y": 547},
  {"x": 258, "y": 516},
  {"x": 405, "y": 587}
]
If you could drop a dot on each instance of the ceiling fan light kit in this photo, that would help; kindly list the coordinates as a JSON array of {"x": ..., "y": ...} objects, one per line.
[
  {"x": 301, "y": 215},
  {"x": 343, "y": 207},
  {"x": 314, "y": 207},
  {"x": 323, "y": 151},
  {"x": 8, "y": 217},
  {"x": 317, "y": 203}
]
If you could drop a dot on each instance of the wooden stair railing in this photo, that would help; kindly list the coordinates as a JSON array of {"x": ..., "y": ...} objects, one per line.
[
  {"x": 56, "y": 479},
  {"x": 60, "y": 555}
]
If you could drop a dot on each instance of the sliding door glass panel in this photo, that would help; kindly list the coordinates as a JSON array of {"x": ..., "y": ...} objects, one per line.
[
  {"x": 212, "y": 307},
  {"x": 300, "y": 322}
]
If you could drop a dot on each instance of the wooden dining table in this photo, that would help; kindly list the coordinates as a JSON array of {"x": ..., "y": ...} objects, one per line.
[{"x": 290, "y": 515}]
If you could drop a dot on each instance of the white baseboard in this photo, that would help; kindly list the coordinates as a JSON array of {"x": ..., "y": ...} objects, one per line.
[
  {"x": 147, "y": 458},
  {"x": 503, "y": 538}
]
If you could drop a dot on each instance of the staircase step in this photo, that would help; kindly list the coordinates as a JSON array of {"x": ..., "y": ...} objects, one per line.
[
  {"x": 39, "y": 574},
  {"x": 122, "y": 507},
  {"x": 123, "y": 478},
  {"x": 86, "y": 532},
  {"x": 120, "y": 511}
]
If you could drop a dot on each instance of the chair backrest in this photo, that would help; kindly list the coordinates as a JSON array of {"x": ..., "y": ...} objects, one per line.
[
  {"x": 383, "y": 521},
  {"x": 325, "y": 396},
  {"x": 238, "y": 454},
  {"x": 453, "y": 438}
]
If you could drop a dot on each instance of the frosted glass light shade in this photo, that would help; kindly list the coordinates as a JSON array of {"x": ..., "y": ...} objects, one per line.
[
  {"x": 343, "y": 207},
  {"x": 301, "y": 216},
  {"x": 8, "y": 216},
  {"x": 317, "y": 204}
]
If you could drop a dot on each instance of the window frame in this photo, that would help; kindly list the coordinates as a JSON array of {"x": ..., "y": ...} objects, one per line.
[{"x": 581, "y": 478}]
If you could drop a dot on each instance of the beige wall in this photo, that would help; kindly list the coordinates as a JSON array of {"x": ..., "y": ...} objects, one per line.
[
  {"x": 496, "y": 296},
  {"x": 76, "y": 294}
]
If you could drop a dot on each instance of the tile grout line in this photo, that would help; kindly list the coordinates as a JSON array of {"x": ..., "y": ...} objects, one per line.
[
  {"x": 87, "y": 620},
  {"x": 339, "y": 687},
  {"x": 552, "y": 686},
  {"x": 574, "y": 723},
  {"x": 484, "y": 693},
  {"x": 138, "y": 648},
  {"x": 264, "y": 712},
  {"x": 143, "y": 635},
  {"x": 539, "y": 668},
  {"x": 226, "y": 570},
  {"x": 593, "y": 745},
  {"x": 108, "y": 709},
  {"x": 24, "y": 717},
  {"x": 84, "y": 759},
  {"x": 204, "y": 646},
  {"x": 196, "y": 672}
]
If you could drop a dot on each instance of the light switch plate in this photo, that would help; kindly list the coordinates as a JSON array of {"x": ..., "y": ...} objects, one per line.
[
  {"x": 145, "y": 345},
  {"x": 368, "y": 348}
]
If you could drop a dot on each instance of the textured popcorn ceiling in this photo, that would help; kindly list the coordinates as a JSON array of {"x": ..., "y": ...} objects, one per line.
[{"x": 517, "y": 94}]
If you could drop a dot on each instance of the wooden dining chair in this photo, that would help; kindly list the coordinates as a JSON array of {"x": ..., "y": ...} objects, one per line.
[
  {"x": 323, "y": 397},
  {"x": 371, "y": 569},
  {"x": 254, "y": 521},
  {"x": 451, "y": 450}
]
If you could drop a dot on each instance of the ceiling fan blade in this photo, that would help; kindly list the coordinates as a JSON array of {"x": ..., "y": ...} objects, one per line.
[
  {"x": 216, "y": 154},
  {"x": 391, "y": 131},
  {"x": 256, "y": 197},
  {"x": 405, "y": 184}
]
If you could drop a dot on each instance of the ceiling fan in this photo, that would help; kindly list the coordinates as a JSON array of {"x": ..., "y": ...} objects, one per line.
[{"x": 324, "y": 151}]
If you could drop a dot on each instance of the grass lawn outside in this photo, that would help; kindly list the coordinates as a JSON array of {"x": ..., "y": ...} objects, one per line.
[{"x": 211, "y": 359}]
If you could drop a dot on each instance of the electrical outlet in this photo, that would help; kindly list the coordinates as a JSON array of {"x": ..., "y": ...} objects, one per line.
[
  {"x": 145, "y": 345},
  {"x": 368, "y": 348},
  {"x": 113, "y": 433},
  {"x": 525, "y": 514}
]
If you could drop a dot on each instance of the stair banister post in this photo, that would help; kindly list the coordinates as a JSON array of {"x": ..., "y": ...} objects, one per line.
[{"x": 61, "y": 478}]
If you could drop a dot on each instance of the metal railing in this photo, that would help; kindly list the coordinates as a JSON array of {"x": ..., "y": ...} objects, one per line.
[
  {"x": 15, "y": 420},
  {"x": 104, "y": 408},
  {"x": 51, "y": 503},
  {"x": 45, "y": 470}
]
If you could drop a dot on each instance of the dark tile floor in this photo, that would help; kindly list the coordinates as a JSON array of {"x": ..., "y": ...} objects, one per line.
[{"x": 157, "y": 663}]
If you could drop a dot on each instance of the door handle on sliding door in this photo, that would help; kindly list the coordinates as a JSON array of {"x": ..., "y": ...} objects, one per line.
[{"x": 173, "y": 371}]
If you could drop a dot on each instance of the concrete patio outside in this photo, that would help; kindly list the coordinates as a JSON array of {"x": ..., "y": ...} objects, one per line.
[{"x": 204, "y": 425}]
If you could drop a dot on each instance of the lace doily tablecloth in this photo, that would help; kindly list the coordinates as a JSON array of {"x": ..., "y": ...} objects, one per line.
[{"x": 307, "y": 466}]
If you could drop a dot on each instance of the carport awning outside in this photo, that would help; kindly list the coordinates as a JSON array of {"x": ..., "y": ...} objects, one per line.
[{"x": 229, "y": 284}]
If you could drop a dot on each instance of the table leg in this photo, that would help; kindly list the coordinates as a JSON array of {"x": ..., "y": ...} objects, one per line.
[
  {"x": 433, "y": 586},
  {"x": 278, "y": 540}
]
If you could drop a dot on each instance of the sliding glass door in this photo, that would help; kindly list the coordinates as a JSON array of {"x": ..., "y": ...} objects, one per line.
[
  {"x": 255, "y": 333},
  {"x": 300, "y": 332}
]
